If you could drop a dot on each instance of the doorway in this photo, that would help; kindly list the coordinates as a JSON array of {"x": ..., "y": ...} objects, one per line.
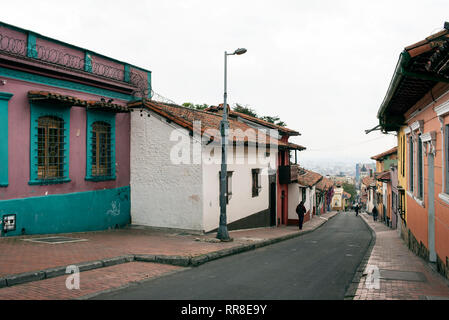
[{"x": 272, "y": 200}]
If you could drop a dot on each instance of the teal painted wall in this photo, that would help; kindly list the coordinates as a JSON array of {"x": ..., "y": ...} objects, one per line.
[
  {"x": 31, "y": 46},
  {"x": 4, "y": 98},
  {"x": 73, "y": 212},
  {"x": 87, "y": 62},
  {"x": 388, "y": 163}
]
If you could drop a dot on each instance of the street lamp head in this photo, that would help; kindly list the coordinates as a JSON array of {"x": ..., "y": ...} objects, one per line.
[{"x": 240, "y": 51}]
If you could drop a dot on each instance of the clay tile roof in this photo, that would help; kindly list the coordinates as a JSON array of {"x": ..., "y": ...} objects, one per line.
[
  {"x": 308, "y": 178},
  {"x": 324, "y": 184},
  {"x": 382, "y": 155},
  {"x": 56, "y": 98},
  {"x": 185, "y": 117},
  {"x": 254, "y": 119},
  {"x": 368, "y": 181},
  {"x": 385, "y": 176},
  {"x": 420, "y": 67}
]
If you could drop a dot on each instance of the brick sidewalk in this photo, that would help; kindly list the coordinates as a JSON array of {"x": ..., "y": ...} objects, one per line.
[
  {"x": 403, "y": 275},
  {"x": 19, "y": 256}
]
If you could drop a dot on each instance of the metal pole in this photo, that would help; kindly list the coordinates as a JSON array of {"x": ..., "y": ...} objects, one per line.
[{"x": 222, "y": 233}]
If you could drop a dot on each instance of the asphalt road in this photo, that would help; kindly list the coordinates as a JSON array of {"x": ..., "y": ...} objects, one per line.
[{"x": 317, "y": 266}]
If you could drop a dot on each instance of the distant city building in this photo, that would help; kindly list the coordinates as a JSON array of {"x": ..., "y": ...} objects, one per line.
[{"x": 363, "y": 170}]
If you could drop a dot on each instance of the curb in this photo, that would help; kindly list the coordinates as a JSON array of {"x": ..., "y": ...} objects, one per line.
[
  {"x": 352, "y": 289},
  {"x": 182, "y": 261},
  {"x": 20, "y": 278}
]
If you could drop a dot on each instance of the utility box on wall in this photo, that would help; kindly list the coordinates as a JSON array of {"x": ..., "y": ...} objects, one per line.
[{"x": 9, "y": 223}]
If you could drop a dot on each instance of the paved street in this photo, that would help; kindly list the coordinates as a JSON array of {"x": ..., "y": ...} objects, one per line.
[
  {"x": 318, "y": 265},
  {"x": 19, "y": 256}
]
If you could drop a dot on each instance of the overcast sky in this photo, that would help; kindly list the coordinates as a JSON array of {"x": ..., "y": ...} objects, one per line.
[{"x": 323, "y": 67}]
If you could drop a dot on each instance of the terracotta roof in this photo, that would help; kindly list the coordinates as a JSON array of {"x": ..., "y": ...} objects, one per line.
[
  {"x": 324, "y": 184},
  {"x": 254, "y": 119},
  {"x": 308, "y": 178},
  {"x": 185, "y": 117},
  {"x": 385, "y": 176},
  {"x": 420, "y": 67},
  {"x": 53, "y": 97},
  {"x": 386, "y": 153},
  {"x": 368, "y": 181}
]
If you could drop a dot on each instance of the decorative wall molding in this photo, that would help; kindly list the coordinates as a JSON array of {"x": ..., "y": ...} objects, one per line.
[
  {"x": 20, "y": 75},
  {"x": 429, "y": 139},
  {"x": 417, "y": 125},
  {"x": 442, "y": 109}
]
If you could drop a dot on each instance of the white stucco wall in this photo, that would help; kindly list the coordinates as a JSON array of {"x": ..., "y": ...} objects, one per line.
[
  {"x": 242, "y": 203},
  {"x": 163, "y": 194},
  {"x": 370, "y": 201},
  {"x": 294, "y": 197}
]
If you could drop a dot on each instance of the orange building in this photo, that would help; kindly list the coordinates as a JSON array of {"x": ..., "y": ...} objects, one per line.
[{"x": 418, "y": 99}]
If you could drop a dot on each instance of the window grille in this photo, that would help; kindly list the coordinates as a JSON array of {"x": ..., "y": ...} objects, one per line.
[
  {"x": 256, "y": 182},
  {"x": 50, "y": 148},
  {"x": 228, "y": 185},
  {"x": 101, "y": 149}
]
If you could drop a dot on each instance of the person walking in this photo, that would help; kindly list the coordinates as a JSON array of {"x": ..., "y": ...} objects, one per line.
[
  {"x": 301, "y": 210},
  {"x": 375, "y": 213},
  {"x": 356, "y": 209}
]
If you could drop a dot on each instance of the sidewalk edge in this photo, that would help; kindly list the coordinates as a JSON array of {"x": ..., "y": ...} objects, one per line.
[{"x": 352, "y": 288}]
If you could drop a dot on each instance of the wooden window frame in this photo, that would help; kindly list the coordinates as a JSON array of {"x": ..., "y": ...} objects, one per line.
[
  {"x": 50, "y": 167},
  {"x": 101, "y": 160}
]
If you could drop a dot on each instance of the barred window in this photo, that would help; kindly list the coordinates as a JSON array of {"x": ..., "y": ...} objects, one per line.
[
  {"x": 50, "y": 148},
  {"x": 256, "y": 182},
  {"x": 228, "y": 185},
  {"x": 101, "y": 149}
]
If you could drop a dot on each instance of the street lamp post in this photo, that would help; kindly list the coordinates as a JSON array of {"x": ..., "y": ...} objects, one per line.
[{"x": 222, "y": 233}]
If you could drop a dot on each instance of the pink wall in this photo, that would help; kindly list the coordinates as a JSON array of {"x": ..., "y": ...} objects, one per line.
[
  {"x": 417, "y": 215},
  {"x": 19, "y": 145}
]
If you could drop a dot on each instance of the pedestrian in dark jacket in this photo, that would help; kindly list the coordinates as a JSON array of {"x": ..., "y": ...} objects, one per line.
[
  {"x": 301, "y": 210},
  {"x": 356, "y": 210},
  {"x": 375, "y": 213}
]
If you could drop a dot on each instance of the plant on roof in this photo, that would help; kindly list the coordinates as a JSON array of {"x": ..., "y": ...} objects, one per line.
[
  {"x": 195, "y": 106},
  {"x": 251, "y": 112}
]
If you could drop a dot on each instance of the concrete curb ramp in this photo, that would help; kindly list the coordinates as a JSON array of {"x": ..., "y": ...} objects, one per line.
[{"x": 181, "y": 261}]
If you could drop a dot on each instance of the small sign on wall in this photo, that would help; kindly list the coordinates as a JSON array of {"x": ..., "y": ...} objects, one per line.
[{"x": 9, "y": 222}]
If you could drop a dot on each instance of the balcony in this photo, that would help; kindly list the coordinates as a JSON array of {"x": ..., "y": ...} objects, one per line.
[{"x": 288, "y": 174}]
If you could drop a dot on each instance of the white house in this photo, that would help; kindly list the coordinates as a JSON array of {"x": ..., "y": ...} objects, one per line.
[
  {"x": 175, "y": 170},
  {"x": 304, "y": 190}
]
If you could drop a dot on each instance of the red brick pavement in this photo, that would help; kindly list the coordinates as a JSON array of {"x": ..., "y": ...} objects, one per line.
[
  {"x": 90, "y": 282},
  {"x": 18, "y": 256},
  {"x": 391, "y": 253}
]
